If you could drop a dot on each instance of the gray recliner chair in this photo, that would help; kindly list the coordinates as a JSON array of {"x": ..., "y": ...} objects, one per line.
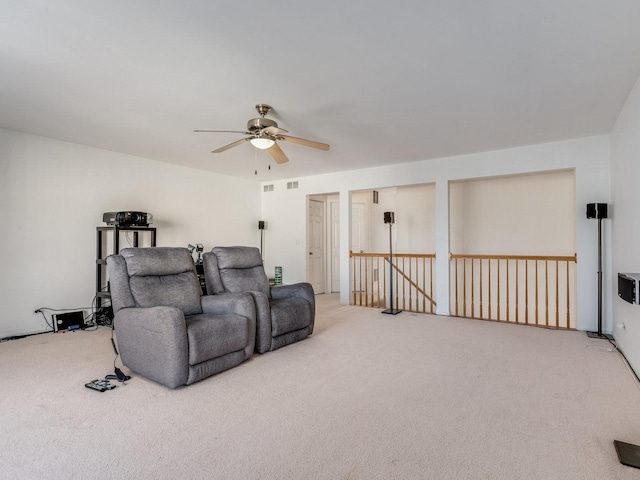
[
  {"x": 285, "y": 313},
  {"x": 166, "y": 330}
]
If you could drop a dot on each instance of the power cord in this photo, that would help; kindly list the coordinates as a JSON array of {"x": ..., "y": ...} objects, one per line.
[
  {"x": 119, "y": 374},
  {"x": 626, "y": 362},
  {"x": 40, "y": 311}
]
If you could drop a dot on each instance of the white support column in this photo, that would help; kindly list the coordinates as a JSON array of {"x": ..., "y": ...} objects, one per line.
[
  {"x": 442, "y": 247},
  {"x": 345, "y": 246}
]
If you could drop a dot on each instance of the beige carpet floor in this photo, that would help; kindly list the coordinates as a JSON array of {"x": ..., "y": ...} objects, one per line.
[{"x": 367, "y": 396}]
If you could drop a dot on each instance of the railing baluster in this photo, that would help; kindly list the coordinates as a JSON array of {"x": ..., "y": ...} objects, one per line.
[
  {"x": 517, "y": 291},
  {"x": 456, "y": 280},
  {"x": 354, "y": 278},
  {"x": 557, "y": 298},
  {"x": 546, "y": 292},
  {"x": 499, "y": 305},
  {"x": 490, "y": 303},
  {"x": 526, "y": 292},
  {"x": 431, "y": 282},
  {"x": 508, "y": 292},
  {"x": 384, "y": 281},
  {"x": 481, "y": 282},
  {"x": 568, "y": 299},
  {"x": 537, "y": 292}
]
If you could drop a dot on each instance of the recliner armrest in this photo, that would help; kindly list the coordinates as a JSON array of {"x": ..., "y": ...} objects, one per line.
[
  {"x": 263, "y": 321},
  {"x": 302, "y": 289},
  {"x": 221, "y": 303},
  {"x": 153, "y": 343}
]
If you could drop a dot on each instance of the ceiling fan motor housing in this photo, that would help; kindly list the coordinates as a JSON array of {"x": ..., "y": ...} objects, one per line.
[{"x": 257, "y": 124}]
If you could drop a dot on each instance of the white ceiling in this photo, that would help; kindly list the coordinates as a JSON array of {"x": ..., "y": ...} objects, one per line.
[{"x": 382, "y": 82}]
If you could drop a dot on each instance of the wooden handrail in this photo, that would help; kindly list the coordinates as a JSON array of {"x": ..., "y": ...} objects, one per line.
[
  {"x": 559, "y": 258},
  {"x": 398, "y": 255}
]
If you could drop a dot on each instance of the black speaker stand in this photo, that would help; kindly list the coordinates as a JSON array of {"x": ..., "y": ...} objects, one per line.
[
  {"x": 604, "y": 336},
  {"x": 391, "y": 311},
  {"x": 599, "y": 333}
]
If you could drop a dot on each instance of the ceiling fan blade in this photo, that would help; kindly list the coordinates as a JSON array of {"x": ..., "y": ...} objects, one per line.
[
  {"x": 277, "y": 154},
  {"x": 302, "y": 141},
  {"x": 231, "y": 145},
  {"x": 222, "y": 131},
  {"x": 274, "y": 130}
]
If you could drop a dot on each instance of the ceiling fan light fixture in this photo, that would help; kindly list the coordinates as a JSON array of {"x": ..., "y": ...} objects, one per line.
[{"x": 262, "y": 143}]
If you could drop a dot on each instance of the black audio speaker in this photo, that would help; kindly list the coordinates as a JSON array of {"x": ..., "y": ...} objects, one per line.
[
  {"x": 596, "y": 210},
  {"x": 260, "y": 224},
  {"x": 389, "y": 217}
]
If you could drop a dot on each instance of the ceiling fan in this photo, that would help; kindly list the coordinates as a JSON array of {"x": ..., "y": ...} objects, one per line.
[{"x": 264, "y": 133}]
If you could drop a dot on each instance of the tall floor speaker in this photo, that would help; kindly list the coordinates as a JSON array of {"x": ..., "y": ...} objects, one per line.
[
  {"x": 599, "y": 211},
  {"x": 390, "y": 218}
]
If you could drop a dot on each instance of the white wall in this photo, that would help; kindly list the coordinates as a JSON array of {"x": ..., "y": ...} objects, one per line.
[
  {"x": 285, "y": 209},
  {"x": 414, "y": 228},
  {"x": 53, "y": 195},
  {"x": 624, "y": 218},
  {"x": 530, "y": 214}
]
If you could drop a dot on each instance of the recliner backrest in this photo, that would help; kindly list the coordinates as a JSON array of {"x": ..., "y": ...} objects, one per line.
[
  {"x": 159, "y": 276},
  {"x": 236, "y": 270}
]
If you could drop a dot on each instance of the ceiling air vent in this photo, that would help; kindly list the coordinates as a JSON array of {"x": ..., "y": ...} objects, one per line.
[
  {"x": 292, "y": 185},
  {"x": 268, "y": 188}
]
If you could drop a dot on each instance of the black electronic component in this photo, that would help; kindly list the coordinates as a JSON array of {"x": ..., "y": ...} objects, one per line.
[
  {"x": 69, "y": 321},
  {"x": 629, "y": 287},
  {"x": 100, "y": 385},
  {"x": 597, "y": 210},
  {"x": 128, "y": 219},
  {"x": 94, "y": 386}
]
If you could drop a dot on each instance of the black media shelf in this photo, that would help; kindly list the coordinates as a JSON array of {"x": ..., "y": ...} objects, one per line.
[{"x": 101, "y": 262}]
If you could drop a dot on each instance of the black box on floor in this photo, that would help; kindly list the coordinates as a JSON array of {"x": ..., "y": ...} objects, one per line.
[{"x": 68, "y": 321}]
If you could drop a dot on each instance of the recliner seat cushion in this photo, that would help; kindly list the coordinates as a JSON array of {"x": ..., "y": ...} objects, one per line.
[
  {"x": 211, "y": 336},
  {"x": 289, "y": 314}
]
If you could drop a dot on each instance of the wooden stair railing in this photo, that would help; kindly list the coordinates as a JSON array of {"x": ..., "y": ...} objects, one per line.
[
  {"x": 413, "y": 281},
  {"x": 528, "y": 289}
]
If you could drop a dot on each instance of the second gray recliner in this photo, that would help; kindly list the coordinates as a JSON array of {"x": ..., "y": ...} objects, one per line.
[{"x": 285, "y": 314}]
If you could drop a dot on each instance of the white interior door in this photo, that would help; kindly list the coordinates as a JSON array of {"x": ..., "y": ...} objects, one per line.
[{"x": 316, "y": 258}]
